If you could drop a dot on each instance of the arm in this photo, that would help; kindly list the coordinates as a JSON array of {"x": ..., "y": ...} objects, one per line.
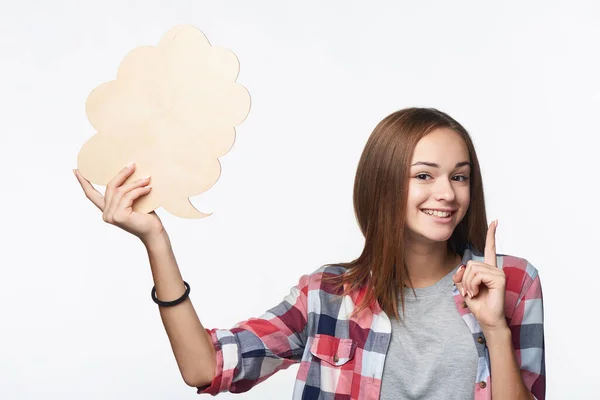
[
  {"x": 212, "y": 360},
  {"x": 517, "y": 351},
  {"x": 506, "y": 377},
  {"x": 234, "y": 360},
  {"x": 255, "y": 349},
  {"x": 191, "y": 344}
]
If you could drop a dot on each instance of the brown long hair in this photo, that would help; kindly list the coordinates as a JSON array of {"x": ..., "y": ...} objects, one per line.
[{"x": 380, "y": 196}]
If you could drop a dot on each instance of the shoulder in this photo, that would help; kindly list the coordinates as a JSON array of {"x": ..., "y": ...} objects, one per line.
[
  {"x": 320, "y": 288},
  {"x": 320, "y": 279},
  {"x": 517, "y": 267},
  {"x": 324, "y": 278},
  {"x": 328, "y": 270}
]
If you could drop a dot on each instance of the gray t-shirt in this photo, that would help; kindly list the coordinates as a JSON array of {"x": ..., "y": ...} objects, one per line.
[{"x": 432, "y": 354}]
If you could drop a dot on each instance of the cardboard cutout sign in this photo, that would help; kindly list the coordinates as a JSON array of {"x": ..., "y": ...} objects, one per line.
[{"x": 172, "y": 110}]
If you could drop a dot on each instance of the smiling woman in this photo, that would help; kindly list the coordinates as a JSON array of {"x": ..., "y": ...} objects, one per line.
[
  {"x": 419, "y": 202},
  {"x": 427, "y": 311}
]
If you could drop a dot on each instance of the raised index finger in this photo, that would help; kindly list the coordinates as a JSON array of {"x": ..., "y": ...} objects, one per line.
[{"x": 490, "y": 245}]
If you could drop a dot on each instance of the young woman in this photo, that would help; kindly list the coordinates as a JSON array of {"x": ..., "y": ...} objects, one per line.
[{"x": 428, "y": 310}]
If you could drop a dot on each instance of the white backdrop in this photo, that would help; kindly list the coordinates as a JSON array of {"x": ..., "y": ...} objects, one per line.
[{"x": 76, "y": 318}]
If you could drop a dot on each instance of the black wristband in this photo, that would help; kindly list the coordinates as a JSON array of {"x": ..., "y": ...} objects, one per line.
[{"x": 170, "y": 303}]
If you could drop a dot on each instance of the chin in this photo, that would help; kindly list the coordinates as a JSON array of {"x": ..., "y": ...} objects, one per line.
[
  {"x": 432, "y": 236},
  {"x": 437, "y": 237}
]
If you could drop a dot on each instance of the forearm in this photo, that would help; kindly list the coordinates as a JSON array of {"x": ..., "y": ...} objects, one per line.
[
  {"x": 191, "y": 344},
  {"x": 507, "y": 382}
]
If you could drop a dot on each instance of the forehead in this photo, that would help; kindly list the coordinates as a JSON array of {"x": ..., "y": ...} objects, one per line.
[{"x": 442, "y": 146}]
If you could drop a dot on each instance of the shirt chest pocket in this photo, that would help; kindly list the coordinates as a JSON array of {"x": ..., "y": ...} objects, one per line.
[{"x": 333, "y": 350}]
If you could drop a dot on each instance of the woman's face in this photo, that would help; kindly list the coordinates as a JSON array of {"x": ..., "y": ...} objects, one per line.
[{"x": 438, "y": 190}]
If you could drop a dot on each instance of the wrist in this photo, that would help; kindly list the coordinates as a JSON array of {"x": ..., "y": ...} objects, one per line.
[
  {"x": 497, "y": 334},
  {"x": 156, "y": 240}
]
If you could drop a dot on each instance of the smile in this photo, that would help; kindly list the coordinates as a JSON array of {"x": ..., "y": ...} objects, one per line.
[{"x": 440, "y": 214}]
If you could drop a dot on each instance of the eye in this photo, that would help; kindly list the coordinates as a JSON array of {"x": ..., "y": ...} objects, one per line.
[
  {"x": 423, "y": 176},
  {"x": 460, "y": 178}
]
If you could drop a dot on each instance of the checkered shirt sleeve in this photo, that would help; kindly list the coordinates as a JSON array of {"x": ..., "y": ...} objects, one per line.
[
  {"x": 255, "y": 349},
  {"x": 527, "y": 327}
]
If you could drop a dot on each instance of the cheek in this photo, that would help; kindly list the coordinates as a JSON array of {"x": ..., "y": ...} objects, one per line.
[
  {"x": 464, "y": 200},
  {"x": 416, "y": 196},
  {"x": 464, "y": 196}
]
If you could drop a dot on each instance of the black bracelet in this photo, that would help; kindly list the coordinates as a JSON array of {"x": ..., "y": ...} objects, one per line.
[{"x": 170, "y": 303}]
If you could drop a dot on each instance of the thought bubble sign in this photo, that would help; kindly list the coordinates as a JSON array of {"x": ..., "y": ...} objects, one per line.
[{"x": 172, "y": 109}]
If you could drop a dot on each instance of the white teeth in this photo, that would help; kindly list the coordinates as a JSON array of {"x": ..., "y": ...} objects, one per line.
[{"x": 442, "y": 214}]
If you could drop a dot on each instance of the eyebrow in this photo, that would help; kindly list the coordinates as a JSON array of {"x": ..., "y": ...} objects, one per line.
[{"x": 434, "y": 165}]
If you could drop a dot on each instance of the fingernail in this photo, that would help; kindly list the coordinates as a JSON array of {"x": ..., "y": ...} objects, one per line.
[
  {"x": 146, "y": 177},
  {"x": 470, "y": 294},
  {"x": 129, "y": 164},
  {"x": 462, "y": 292}
]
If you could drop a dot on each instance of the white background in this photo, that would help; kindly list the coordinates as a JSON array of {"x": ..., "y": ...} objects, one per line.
[{"x": 76, "y": 318}]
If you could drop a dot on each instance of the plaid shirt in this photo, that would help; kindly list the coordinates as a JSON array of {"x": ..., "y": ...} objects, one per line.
[{"x": 342, "y": 358}]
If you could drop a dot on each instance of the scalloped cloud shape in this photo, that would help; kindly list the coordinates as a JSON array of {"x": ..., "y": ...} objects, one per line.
[{"x": 172, "y": 109}]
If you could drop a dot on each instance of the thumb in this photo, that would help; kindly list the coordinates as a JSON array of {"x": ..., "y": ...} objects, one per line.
[
  {"x": 457, "y": 278},
  {"x": 458, "y": 275}
]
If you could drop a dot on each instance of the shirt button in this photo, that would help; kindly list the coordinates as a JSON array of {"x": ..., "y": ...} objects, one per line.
[
  {"x": 482, "y": 384},
  {"x": 464, "y": 304},
  {"x": 480, "y": 340},
  {"x": 335, "y": 358}
]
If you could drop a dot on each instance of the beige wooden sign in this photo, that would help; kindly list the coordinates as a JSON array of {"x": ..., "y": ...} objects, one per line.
[{"x": 172, "y": 109}]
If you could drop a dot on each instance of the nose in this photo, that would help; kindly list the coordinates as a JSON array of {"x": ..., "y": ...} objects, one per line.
[{"x": 443, "y": 190}]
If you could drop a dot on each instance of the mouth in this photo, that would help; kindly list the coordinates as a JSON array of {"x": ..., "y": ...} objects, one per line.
[{"x": 442, "y": 216}]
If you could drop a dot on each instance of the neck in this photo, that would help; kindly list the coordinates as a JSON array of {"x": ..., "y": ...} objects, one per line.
[{"x": 427, "y": 263}]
